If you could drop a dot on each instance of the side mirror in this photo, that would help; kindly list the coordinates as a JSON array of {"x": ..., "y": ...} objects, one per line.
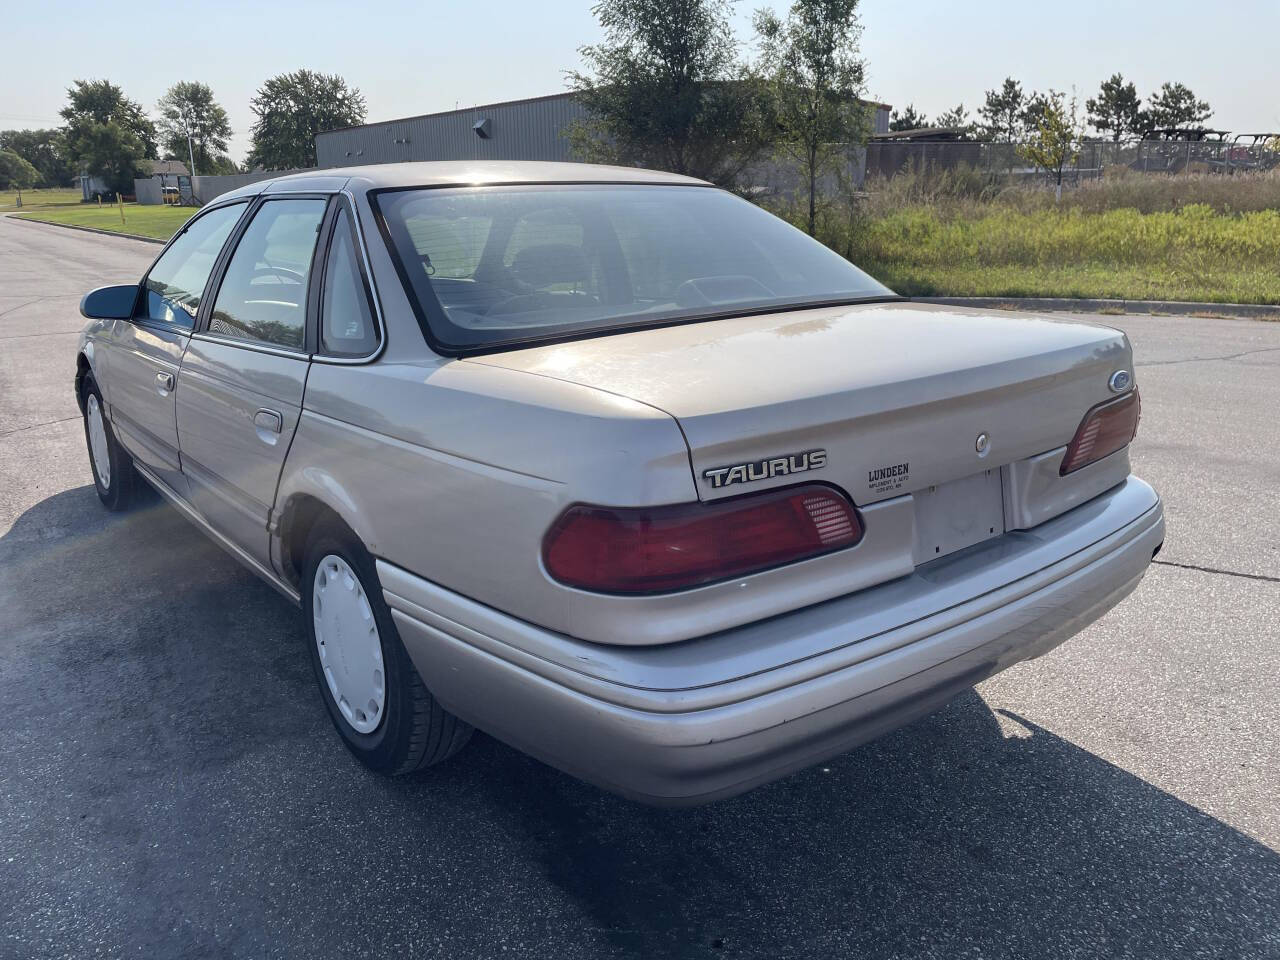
[{"x": 110, "y": 303}]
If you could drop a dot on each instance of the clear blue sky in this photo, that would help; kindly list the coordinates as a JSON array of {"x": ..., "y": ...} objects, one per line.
[{"x": 414, "y": 57}]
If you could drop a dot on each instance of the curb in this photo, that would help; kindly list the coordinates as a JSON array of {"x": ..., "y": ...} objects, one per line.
[
  {"x": 22, "y": 218},
  {"x": 1251, "y": 311}
]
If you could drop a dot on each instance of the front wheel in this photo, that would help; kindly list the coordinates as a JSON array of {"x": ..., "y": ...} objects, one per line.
[
  {"x": 113, "y": 473},
  {"x": 375, "y": 698}
]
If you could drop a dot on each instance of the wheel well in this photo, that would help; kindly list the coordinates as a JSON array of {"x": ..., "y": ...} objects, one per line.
[
  {"x": 82, "y": 368},
  {"x": 302, "y": 514}
]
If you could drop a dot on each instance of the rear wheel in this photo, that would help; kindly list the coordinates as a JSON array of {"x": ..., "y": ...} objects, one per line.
[
  {"x": 113, "y": 473},
  {"x": 375, "y": 698}
]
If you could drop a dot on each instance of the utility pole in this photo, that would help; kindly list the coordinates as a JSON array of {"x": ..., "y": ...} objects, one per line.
[{"x": 191, "y": 156}]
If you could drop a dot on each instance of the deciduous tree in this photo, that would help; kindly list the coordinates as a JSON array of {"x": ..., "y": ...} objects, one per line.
[
  {"x": 1035, "y": 109},
  {"x": 1116, "y": 109},
  {"x": 107, "y": 134},
  {"x": 101, "y": 101},
  {"x": 110, "y": 151},
  {"x": 188, "y": 107},
  {"x": 666, "y": 90},
  {"x": 16, "y": 173},
  {"x": 811, "y": 58},
  {"x": 291, "y": 109},
  {"x": 44, "y": 150},
  {"x": 1056, "y": 140}
]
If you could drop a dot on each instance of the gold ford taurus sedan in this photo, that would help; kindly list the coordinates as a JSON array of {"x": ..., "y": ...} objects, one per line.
[{"x": 613, "y": 465}]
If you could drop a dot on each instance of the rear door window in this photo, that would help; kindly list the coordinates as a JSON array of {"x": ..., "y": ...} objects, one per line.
[
  {"x": 177, "y": 280},
  {"x": 263, "y": 295}
]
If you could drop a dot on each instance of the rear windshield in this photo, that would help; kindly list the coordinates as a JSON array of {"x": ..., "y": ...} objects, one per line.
[{"x": 492, "y": 266}]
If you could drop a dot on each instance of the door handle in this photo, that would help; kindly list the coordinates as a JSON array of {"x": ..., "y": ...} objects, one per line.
[
  {"x": 268, "y": 421},
  {"x": 164, "y": 383}
]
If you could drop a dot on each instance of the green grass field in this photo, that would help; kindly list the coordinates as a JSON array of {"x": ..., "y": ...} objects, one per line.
[
  {"x": 159, "y": 222},
  {"x": 1126, "y": 237},
  {"x": 40, "y": 199},
  {"x": 1189, "y": 254}
]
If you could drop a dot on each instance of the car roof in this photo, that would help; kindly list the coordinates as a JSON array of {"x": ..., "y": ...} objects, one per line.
[{"x": 454, "y": 173}]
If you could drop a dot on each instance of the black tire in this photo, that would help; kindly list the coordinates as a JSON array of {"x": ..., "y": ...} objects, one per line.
[
  {"x": 414, "y": 731},
  {"x": 117, "y": 491}
]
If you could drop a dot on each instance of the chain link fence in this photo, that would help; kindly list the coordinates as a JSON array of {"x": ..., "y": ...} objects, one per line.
[{"x": 888, "y": 158}]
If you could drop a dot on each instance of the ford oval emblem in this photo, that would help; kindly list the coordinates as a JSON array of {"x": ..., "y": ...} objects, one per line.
[
  {"x": 982, "y": 445},
  {"x": 1120, "y": 381}
]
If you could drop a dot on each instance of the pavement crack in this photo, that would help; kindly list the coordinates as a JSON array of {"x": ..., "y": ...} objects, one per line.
[
  {"x": 35, "y": 426},
  {"x": 1226, "y": 573},
  {"x": 47, "y": 333},
  {"x": 1229, "y": 356},
  {"x": 5, "y": 313}
]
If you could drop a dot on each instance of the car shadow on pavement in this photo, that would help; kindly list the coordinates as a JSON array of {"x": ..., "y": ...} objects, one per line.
[{"x": 170, "y": 779}]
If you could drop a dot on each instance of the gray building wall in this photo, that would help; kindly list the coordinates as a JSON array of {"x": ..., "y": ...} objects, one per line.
[
  {"x": 519, "y": 130},
  {"x": 208, "y": 188},
  {"x": 531, "y": 129},
  {"x": 148, "y": 190},
  {"x": 880, "y": 119}
]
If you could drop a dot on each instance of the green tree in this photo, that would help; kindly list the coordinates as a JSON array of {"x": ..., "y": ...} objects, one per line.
[
  {"x": 1036, "y": 109},
  {"x": 816, "y": 75},
  {"x": 44, "y": 150},
  {"x": 107, "y": 134},
  {"x": 186, "y": 108},
  {"x": 109, "y": 151},
  {"x": 1056, "y": 140},
  {"x": 666, "y": 90},
  {"x": 102, "y": 102},
  {"x": 1002, "y": 110},
  {"x": 291, "y": 109},
  {"x": 908, "y": 119},
  {"x": 16, "y": 173},
  {"x": 1116, "y": 109},
  {"x": 957, "y": 118},
  {"x": 220, "y": 165},
  {"x": 1174, "y": 105}
]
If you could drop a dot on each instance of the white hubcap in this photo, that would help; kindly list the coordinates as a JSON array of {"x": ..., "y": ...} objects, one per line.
[
  {"x": 98, "y": 442},
  {"x": 347, "y": 638}
]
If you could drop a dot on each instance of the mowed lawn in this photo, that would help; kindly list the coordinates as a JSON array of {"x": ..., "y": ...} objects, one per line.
[
  {"x": 159, "y": 222},
  {"x": 43, "y": 199}
]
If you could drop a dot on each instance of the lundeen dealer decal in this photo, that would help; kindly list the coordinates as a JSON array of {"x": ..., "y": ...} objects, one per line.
[{"x": 888, "y": 478}]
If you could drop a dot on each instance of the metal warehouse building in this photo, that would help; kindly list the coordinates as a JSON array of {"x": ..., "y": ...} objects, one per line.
[{"x": 532, "y": 129}]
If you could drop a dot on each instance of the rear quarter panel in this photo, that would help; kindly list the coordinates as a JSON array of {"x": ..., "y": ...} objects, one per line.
[{"x": 455, "y": 471}]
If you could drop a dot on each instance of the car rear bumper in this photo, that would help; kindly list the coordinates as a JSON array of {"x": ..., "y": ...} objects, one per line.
[{"x": 696, "y": 721}]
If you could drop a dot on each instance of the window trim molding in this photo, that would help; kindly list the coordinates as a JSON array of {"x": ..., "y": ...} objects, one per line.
[
  {"x": 347, "y": 202},
  {"x": 213, "y": 271},
  {"x": 201, "y": 330},
  {"x": 257, "y": 346}
]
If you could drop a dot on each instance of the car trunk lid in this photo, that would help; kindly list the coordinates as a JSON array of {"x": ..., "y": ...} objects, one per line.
[{"x": 878, "y": 399}]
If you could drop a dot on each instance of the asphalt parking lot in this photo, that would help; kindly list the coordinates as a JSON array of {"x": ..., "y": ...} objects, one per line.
[{"x": 171, "y": 787}]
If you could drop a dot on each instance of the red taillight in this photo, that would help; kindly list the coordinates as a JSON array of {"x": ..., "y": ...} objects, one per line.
[
  {"x": 1106, "y": 428},
  {"x": 657, "y": 549}
]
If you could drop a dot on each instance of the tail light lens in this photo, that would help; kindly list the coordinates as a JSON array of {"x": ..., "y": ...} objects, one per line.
[
  {"x": 1106, "y": 428},
  {"x": 661, "y": 549}
]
